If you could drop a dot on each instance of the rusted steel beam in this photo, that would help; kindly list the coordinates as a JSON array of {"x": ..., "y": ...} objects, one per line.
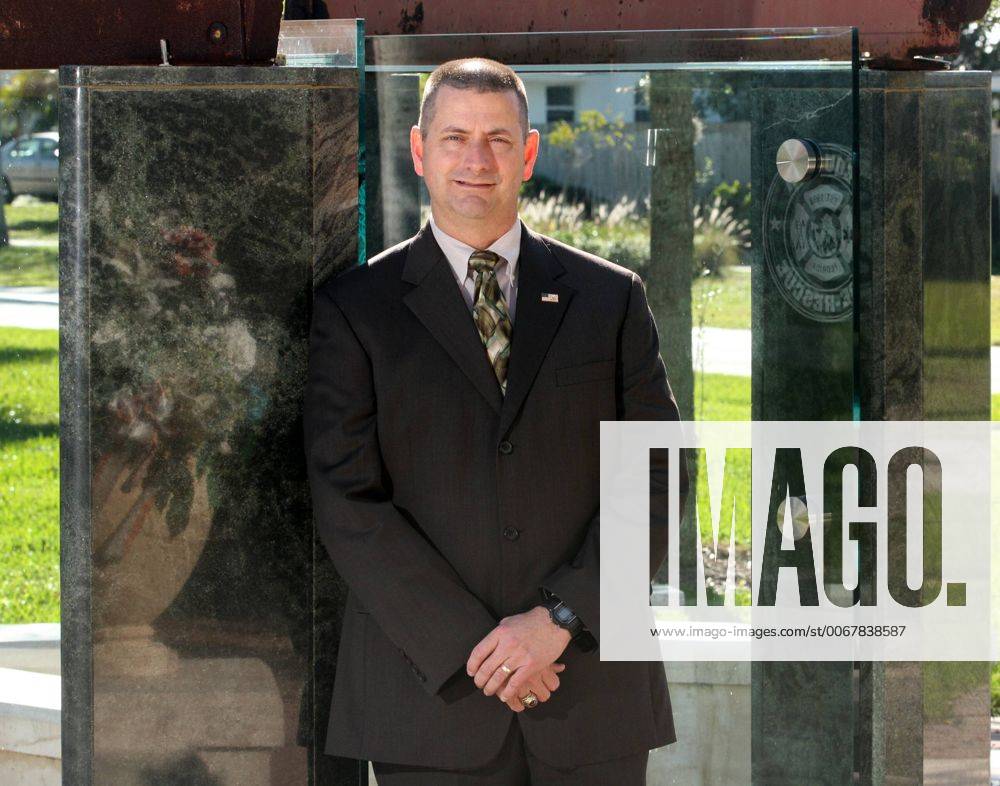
[
  {"x": 127, "y": 32},
  {"x": 34, "y": 35},
  {"x": 892, "y": 32}
]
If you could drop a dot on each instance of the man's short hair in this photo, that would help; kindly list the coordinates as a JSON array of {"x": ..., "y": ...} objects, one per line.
[{"x": 472, "y": 73}]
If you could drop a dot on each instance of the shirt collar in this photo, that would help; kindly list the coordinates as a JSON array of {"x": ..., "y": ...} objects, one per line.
[{"x": 508, "y": 245}]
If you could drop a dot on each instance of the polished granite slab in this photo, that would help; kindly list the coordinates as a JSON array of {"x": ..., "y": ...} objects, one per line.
[
  {"x": 924, "y": 354},
  {"x": 802, "y": 723},
  {"x": 900, "y": 333},
  {"x": 200, "y": 207}
]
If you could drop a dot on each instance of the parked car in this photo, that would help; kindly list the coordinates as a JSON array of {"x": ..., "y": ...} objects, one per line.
[{"x": 30, "y": 165}]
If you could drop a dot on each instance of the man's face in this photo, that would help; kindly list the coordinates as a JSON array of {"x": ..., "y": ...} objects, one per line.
[{"x": 474, "y": 157}]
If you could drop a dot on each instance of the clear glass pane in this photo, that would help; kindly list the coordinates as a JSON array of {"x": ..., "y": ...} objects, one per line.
[
  {"x": 312, "y": 42},
  {"x": 719, "y": 166}
]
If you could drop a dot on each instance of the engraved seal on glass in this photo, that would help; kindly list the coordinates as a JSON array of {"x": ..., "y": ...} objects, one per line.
[{"x": 808, "y": 233}]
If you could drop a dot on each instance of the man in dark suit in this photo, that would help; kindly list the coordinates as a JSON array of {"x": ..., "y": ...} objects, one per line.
[{"x": 456, "y": 388}]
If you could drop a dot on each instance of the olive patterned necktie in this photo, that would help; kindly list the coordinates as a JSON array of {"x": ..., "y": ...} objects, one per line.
[{"x": 489, "y": 310}]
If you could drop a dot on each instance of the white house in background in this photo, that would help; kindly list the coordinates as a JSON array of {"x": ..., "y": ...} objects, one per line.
[
  {"x": 605, "y": 174},
  {"x": 556, "y": 96},
  {"x": 608, "y": 174}
]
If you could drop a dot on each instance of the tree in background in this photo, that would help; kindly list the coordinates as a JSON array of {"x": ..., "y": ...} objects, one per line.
[
  {"x": 978, "y": 50},
  {"x": 977, "y": 47},
  {"x": 29, "y": 103}
]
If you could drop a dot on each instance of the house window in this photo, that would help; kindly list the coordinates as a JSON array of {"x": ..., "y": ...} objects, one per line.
[{"x": 559, "y": 104}]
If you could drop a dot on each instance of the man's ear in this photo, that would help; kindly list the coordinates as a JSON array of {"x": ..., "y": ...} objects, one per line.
[
  {"x": 530, "y": 153},
  {"x": 417, "y": 150}
]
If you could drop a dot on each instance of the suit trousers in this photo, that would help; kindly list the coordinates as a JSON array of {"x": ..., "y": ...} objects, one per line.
[{"x": 516, "y": 766}]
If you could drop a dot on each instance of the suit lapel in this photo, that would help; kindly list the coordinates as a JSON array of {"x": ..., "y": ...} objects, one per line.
[
  {"x": 535, "y": 320},
  {"x": 438, "y": 304}
]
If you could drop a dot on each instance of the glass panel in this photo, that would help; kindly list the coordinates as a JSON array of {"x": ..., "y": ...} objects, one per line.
[
  {"x": 719, "y": 166},
  {"x": 327, "y": 42}
]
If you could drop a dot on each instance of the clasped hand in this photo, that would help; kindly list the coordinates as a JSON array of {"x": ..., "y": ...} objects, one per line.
[{"x": 529, "y": 644}]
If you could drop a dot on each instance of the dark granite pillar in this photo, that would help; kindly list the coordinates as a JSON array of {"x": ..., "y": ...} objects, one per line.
[
  {"x": 918, "y": 349},
  {"x": 925, "y": 355},
  {"x": 200, "y": 613},
  {"x": 802, "y": 334}
]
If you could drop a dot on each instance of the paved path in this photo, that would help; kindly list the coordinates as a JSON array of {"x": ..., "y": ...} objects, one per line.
[
  {"x": 29, "y": 307},
  {"x": 721, "y": 351},
  {"x": 33, "y": 242}
]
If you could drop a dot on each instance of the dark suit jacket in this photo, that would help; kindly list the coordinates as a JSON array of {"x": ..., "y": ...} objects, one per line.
[{"x": 446, "y": 506}]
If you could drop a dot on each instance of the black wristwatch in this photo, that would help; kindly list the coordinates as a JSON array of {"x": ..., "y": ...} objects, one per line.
[{"x": 562, "y": 615}]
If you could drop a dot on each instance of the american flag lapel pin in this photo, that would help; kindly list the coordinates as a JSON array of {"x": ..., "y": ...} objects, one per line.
[{"x": 550, "y": 297}]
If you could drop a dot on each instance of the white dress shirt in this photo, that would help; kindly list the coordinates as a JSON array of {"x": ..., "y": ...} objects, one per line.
[{"x": 508, "y": 246}]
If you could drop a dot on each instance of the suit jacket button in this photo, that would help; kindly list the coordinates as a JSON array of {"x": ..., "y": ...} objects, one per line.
[
  {"x": 511, "y": 533},
  {"x": 506, "y": 448}
]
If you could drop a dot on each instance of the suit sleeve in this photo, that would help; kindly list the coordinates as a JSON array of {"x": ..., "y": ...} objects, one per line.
[
  {"x": 413, "y": 593},
  {"x": 643, "y": 394}
]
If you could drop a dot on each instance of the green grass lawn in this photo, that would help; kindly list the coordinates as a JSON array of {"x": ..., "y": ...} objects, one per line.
[
  {"x": 31, "y": 266},
  {"x": 33, "y": 219},
  {"x": 29, "y": 475},
  {"x": 724, "y": 397},
  {"x": 995, "y": 309},
  {"x": 29, "y": 430},
  {"x": 722, "y": 302},
  {"x": 721, "y": 397}
]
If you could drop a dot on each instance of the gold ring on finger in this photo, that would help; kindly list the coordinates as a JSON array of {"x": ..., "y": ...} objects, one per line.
[
  {"x": 506, "y": 669},
  {"x": 530, "y": 700}
]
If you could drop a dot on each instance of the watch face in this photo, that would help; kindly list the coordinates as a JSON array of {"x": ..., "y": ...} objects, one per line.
[{"x": 564, "y": 615}]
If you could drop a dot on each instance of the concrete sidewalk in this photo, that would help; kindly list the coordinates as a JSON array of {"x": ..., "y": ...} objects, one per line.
[
  {"x": 33, "y": 242},
  {"x": 30, "y": 704},
  {"x": 29, "y": 307},
  {"x": 721, "y": 351}
]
